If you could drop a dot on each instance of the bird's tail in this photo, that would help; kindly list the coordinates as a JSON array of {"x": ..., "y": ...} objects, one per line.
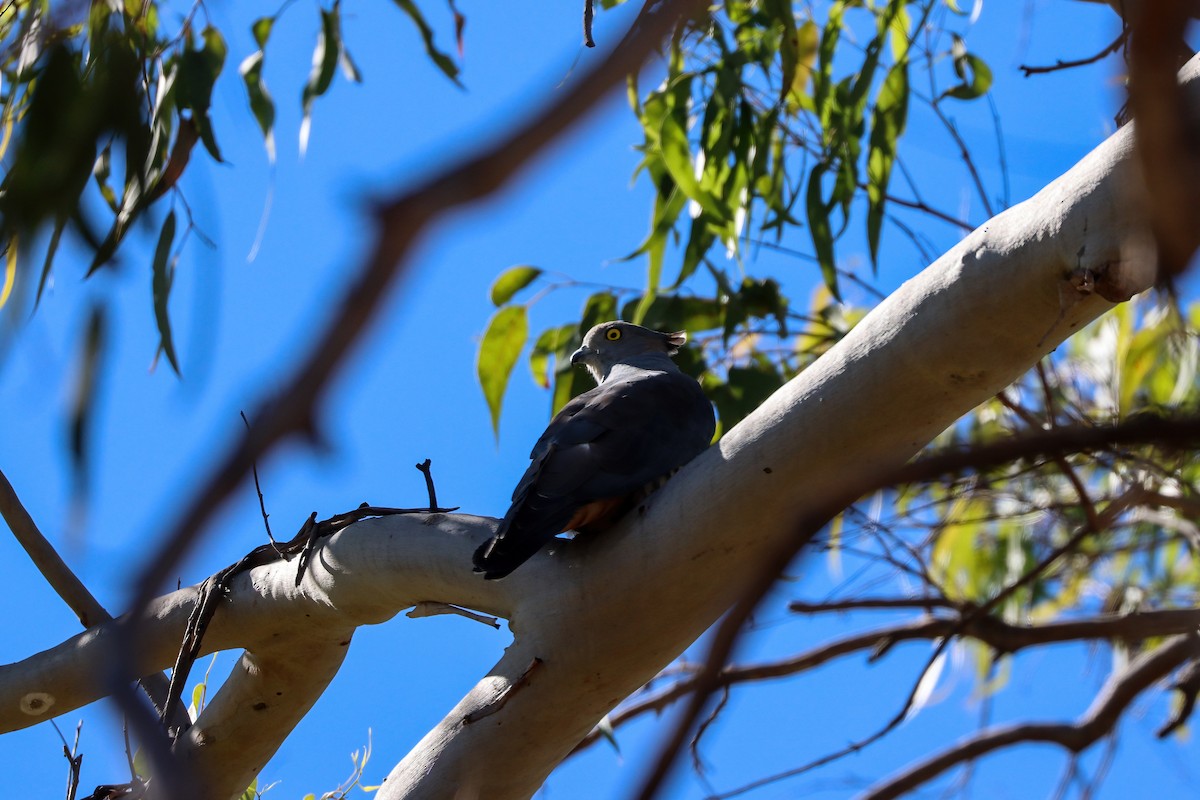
[
  {"x": 522, "y": 532},
  {"x": 504, "y": 552}
]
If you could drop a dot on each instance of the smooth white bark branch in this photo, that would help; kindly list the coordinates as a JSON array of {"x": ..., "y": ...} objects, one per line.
[{"x": 600, "y": 616}]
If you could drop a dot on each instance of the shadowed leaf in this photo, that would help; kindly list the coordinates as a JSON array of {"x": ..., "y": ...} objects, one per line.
[{"x": 164, "y": 276}]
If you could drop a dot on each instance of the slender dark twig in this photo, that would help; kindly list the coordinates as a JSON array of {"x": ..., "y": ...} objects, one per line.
[
  {"x": 424, "y": 466},
  {"x": 74, "y": 759},
  {"x": 262, "y": 503},
  {"x": 1059, "y": 64},
  {"x": 1075, "y": 737}
]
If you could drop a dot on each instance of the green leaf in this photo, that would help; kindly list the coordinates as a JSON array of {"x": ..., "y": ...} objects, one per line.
[
  {"x": 86, "y": 389},
  {"x": 600, "y": 307},
  {"x": 501, "y": 344},
  {"x": 975, "y": 74},
  {"x": 549, "y": 343},
  {"x": 744, "y": 391},
  {"x": 820, "y": 229},
  {"x": 823, "y": 77},
  {"x": 324, "y": 64},
  {"x": 511, "y": 281},
  {"x": 782, "y": 15},
  {"x": 198, "y": 72},
  {"x": 261, "y": 104},
  {"x": 956, "y": 562},
  {"x": 808, "y": 39},
  {"x": 101, "y": 172},
  {"x": 677, "y": 158},
  {"x": 10, "y": 271},
  {"x": 163, "y": 277},
  {"x": 443, "y": 61},
  {"x": 349, "y": 68},
  {"x": 891, "y": 116},
  {"x": 679, "y": 313},
  {"x": 262, "y": 30},
  {"x": 51, "y": 249},
  {"x": 199, "y": 694}
]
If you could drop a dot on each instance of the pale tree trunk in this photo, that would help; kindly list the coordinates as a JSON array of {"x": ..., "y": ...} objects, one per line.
[{"x": 597, "y": 617}]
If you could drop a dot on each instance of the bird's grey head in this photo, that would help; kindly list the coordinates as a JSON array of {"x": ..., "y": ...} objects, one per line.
[{"x": 611, "y": 343}]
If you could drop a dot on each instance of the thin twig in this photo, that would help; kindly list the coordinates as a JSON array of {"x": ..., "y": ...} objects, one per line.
[
  {"x": 1076, "y": 737},
  {"x": 1000, "y": 636},
  {"x": 262, "y": 503},
  {"x": 74, "y": 759},
  {"x": 424, "y": 467},
  {"x": 1059, "y": 64},
  {"x": 858, "y": 604}
]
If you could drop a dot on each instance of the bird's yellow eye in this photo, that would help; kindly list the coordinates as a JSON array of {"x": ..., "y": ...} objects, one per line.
[{"x": 612, "y": 334}]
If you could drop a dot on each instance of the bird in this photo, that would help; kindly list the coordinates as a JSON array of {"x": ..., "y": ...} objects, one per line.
[{"x": 606, "y": 448}]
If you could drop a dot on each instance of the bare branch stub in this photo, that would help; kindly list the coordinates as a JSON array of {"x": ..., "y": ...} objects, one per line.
[
  {"x": 588, "y": 14},
  {"x": 429, "y": 608},
  {"x": 425, "y": 469}
]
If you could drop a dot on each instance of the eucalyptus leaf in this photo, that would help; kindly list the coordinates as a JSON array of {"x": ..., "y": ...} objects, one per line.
[{"x": 498, "y": 351}]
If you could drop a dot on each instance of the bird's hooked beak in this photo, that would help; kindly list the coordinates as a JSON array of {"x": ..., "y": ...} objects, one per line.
[{"x": 580, "y": 354}]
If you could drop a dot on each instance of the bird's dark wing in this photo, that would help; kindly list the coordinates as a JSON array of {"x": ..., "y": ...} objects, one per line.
[{"x": 605, "y": 444}]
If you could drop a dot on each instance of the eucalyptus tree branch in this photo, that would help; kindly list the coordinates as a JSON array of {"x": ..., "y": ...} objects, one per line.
[
  {"x": 720, "y": 530},
  {"x": 48, "y": 561},
  {"x": 400, "y": 221},
  {"x": 72, "y": 590},
  {"x": 1174, "y": 434},
  {"x": 1001, "y": 636},
  {"x": 294, "y": 637},
  {"x": 1098, "y": 721}
]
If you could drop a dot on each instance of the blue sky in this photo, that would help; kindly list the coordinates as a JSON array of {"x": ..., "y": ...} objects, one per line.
[{"x": 409, "y": 392}]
